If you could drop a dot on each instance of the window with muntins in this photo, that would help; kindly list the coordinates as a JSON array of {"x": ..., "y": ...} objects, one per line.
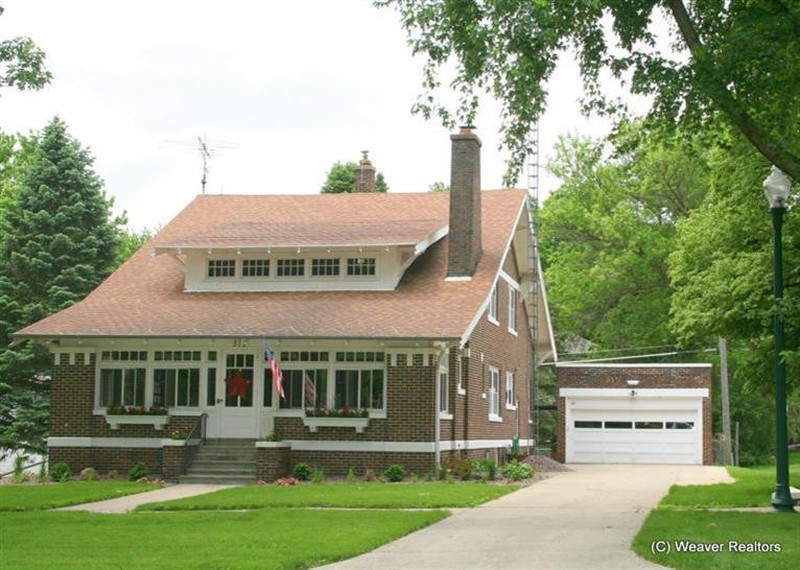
[
  {"x": 512, "y": 309},
  {"x": 493, "y": 305},
  {"x": 222, "y": 268},
  {"x": 291, "y": 267},
  {"x": 494, "y": 392},
  {"x": 302, "y": 388},
  {"x": 255, "y": 268},
  {"x": 359, "y": 389},
  {"x": 122, "y": 386},
  {"x": 511, "y": 394},
  {"x": 176, "y": 387},
  {"x": 360, "y": 266},
  {"x": 325, "y": 267}
]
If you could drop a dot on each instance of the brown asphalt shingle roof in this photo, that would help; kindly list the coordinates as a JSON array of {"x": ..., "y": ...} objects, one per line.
[{"x": 145, "y": 296}]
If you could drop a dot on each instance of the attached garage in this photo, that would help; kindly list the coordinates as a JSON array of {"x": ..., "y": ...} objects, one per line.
[
  {"x": 634, "y": 413},
  {"x": 634, "y": 426}
]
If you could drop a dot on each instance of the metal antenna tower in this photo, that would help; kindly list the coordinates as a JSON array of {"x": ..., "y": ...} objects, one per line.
[
  {"x": 206, "y": 156},
  {"x": 533, "y": 287}
]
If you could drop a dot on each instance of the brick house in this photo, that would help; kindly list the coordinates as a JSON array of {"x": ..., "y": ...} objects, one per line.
[{"x": 405, "y": 321}]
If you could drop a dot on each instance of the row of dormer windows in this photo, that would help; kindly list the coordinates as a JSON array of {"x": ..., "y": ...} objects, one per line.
[{"x": 292, "y": 267}]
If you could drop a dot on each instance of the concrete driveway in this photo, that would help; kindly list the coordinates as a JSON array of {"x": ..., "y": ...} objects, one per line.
[{"x": 586, "y": 518}]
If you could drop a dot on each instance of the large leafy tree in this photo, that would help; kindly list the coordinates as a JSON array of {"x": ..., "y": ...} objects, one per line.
[
  {"x": 735, "y": 59},
  {"x": 58, "y": 242},
  {"x": 22, "y": 64},
  {"x": 342, "y": 178},
  {"x": 607, "y": 232},
  {"x": 721, "y": 269}
]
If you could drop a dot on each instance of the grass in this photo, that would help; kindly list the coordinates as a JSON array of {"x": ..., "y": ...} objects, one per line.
[
  {"x": 361, "y": 495},
  {"x": 50, "y": 496},
  {"x": 682, "y": 520},
  {"x": 753, "y": 488},
  {"x": 267, "y": 538}
]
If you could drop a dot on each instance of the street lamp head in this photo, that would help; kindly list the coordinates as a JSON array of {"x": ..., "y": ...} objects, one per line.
[{"x": 776, "y": 188}]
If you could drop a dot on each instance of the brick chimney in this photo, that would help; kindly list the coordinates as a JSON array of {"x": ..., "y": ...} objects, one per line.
[
  {"x": 465, "y": 204},
  {"x": 365, "y": 174}
]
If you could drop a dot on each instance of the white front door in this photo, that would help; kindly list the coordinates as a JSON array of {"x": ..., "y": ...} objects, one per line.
[{"x": 237, "y": 405}]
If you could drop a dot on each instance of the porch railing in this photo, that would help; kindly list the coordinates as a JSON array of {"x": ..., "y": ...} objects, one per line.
[{"x": 198, "y": 429}]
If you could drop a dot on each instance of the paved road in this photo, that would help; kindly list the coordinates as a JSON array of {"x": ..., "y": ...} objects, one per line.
[{"x": 583, "y": 519}]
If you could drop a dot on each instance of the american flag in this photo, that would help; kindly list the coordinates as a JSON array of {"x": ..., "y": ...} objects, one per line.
[
  {"x": 277, "y": 375},
  {"x": 310, "y": 390}
]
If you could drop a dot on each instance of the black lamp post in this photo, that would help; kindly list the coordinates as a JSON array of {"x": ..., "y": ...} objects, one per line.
[{"x": 776, "y": 188}]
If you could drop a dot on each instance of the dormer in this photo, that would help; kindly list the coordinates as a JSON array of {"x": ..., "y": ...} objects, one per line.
[{"x": 302, "y": 255}]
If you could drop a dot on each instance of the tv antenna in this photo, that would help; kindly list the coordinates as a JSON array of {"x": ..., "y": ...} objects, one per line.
[{"x": 206, "y": 156}]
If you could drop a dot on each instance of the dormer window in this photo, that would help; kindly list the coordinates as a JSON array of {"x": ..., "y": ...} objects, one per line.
[
  {"x": 222, "y": 268},
  {"x": 291, "y": 267},
  {"x": 325, "y": 267},
  {"x": 255, "y": 268},
  {"x": 361, "y": 266}
]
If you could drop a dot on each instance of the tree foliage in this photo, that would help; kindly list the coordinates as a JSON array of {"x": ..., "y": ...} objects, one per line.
[
  {"x": 342, "y": 178},
  {"x": 57, "y": 242},
  {"x": 734, "y": 58},
  {"x": 722, "y": 269},
  {"x": 607, "y": 232},
  {"x": 22, "y": 65}
]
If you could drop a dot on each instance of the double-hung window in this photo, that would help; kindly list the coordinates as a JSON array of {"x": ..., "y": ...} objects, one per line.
[
  {"x": 512, "y": 309},
  {"x": 494, "y": 394},
  {"x": 122, "y": 386},
  {"x": 176, "y": 387},
  {"x": 359, "y": 389},
  {"x": 511, "y": 392}
]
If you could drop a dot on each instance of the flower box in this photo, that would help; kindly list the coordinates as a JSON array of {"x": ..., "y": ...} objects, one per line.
[
  {"x": 158, "y": 422},
  {"x": 313, "y": 423}
]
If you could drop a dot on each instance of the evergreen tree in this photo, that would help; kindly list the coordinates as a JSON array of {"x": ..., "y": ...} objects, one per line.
[{"x": 58, "y": 243}]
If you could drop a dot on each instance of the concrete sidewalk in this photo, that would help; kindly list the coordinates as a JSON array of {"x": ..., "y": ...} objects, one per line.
[
  {"x": 129, "y": 502},
  {"x": 586, "y": 518}
]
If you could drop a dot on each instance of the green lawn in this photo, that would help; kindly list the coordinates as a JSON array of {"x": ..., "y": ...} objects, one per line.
[
  {"x": 267, "y": 538},
  {"x": 753, "y": 488},
  {"x": 681, "y": 527},
  {"x": 48, "y": 496},
  {"x": 360, "y": 495}
]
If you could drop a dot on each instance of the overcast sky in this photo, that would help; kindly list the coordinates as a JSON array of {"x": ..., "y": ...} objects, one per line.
[{"x": 280, "y": 90}]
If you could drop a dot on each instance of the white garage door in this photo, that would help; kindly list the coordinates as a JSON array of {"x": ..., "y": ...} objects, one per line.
[{"x": 640, "y": 429}]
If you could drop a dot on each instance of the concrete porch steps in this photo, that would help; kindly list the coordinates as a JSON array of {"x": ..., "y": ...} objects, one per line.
[{"x": 223, "y": 462}]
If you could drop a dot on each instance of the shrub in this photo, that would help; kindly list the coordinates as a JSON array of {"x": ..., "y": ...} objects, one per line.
[
  {"x": 113, "y": 475},
  {"x": 42, "y": 477},
  {"x": 515, "y": 452},
  {"x": 463, "y": 469},
  {"x": 19, "y": 468},
  {"x": 444, "y": 474},
  {"x": 394, "y": 473},
  {"x": 302, "y": 471},
  {"x": 138, "y": 471},
  {"x": 517, "y": 471},
  {"x": 318, "y": 476},
  {"x": 414, "y": 478},
  {"x": 487, "y": 469},
  {"x": 89, "y": 474},
  {"x": 351, "y": 475},
  {"x": 60, "y": 472},
  {"x": 369, "y": 475}
]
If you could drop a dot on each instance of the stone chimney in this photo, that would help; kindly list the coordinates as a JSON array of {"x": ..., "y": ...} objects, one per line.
[
  {"x": 465, "y": 204},
  {"x": 365, "y": 174}
]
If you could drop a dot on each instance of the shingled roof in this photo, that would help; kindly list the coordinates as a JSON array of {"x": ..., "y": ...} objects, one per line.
[{"x": 146, "y": 297}]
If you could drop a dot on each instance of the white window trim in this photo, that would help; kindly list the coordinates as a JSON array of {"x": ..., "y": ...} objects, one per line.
[
  {"x": 443, "y": 378},
  {"x": 511, "y": 392},
  {"x": 494, "y": 395},
  {"x": 512, "y": 309},
  {"x": 493, "y": 302}
]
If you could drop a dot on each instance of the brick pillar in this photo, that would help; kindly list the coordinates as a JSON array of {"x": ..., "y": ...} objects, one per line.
[
  {"x": 272, "y": 460},
  {"x": 465, "y": 204},
  {"x": 72, "y": 395},
  {"x": 174, "y": 460}
]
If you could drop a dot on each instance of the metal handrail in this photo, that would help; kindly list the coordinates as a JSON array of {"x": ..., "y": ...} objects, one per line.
[
  {"x": 200, "y": 425},
  {"x": 24, "y": 468}
]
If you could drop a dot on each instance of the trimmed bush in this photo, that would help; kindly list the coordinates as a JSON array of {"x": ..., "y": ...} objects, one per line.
[
  {"x": 302, "y": 471},
  {"x": 394, "y": 473},
  {"x": 89, "y": 474},
  {"x": 60, "y": 472},
  {"x": 138, "y": 471},
  {"x": 517, "y": 471}
]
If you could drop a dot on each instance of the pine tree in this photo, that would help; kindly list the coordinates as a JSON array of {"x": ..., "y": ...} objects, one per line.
[{"x": 59, "y": 241}]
